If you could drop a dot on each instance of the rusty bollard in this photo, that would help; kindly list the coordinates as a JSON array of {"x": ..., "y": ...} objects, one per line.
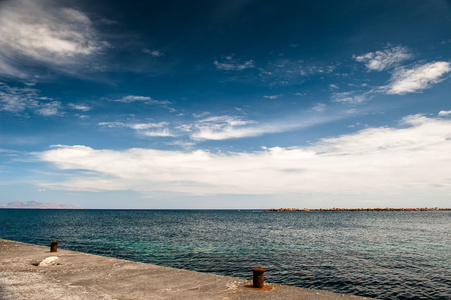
[
  {"x": 54, "y": 246},
  {"x": 258, "y": 277}
]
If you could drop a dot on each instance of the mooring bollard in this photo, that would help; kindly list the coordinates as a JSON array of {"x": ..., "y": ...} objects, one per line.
[
  {"x": 258, "y": 277},
  {"x": 54, "y": 246}
]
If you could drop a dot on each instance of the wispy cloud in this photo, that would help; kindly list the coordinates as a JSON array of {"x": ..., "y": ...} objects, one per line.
[
  {"x": 201, "y": 115},
  {"x": 321, "y": 69},
  {"x": 136, "y": 126},
  {"x": 272, "y": 97},
  {"x": 219, "y": 128},
  {"x": 145, "y": 99},
  {"x": 44, "y": 33},
  {"x": 320, "y": 107},
  {"x": 158, "y": 133},
  {"x": 418, "y": 78},
  {"x": 353, "y": 97},
  {"x": 188, "y": 145},
  {"x": 385, "y": 59},
  {"x": 284, "y": 71},
  {"x": 15, "y": 99},
  {"x": 233, "y": 127},
  {"x": 154, "y": 53},
  {"x": 277, "y": 71},
  {"x": 23, "y": 100},
  {"x": 229, "y": 63},
  {"x": 159, "y": 129},
  {"x": 80, "y": 107},
  {"x": 52, "y": 108},
  {"x": 374, "y": 161}
]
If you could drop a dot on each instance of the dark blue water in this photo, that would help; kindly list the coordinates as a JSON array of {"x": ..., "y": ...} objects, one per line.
[{"x": 387, "y": 255}]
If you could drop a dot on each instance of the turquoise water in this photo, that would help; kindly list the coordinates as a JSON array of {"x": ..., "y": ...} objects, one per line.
[{"x": 386, "y": 255}]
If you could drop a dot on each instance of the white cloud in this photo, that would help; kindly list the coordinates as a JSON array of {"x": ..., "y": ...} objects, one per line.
[
  {"x": 227, "y": 120},
  {"x": 418, "y": 78},
  {"x": 275, "y": 72},
  {"x": 321, "y": 69},
  {"x": 159, "y": 133},
  {"x": 371, "y": 162},
  {"x": 444, "y": 113},
  {"x": 154, "y": 53},
  {"x": 232, "y": 127},
  {"x": 272, "y": 97},
  {"x": 320, "y": 107},
  {"x": 43, "y": 32},
  {"x": 143, "y": 128},
  {"x": 185, "y": 127},
  {"x": 23, "y": 100},
  {"x": 52, "y": 108},
  {"x": 220, "y": 128},
  {"x": 136, "y": 126},
  {"x": 79, "y": 107},
  {"x": 283, "y": 71},
  {"x": 145, "y": 99},
  {"x": 140, "y": 126},
  {"x": 351, "y": 97},
  {"x": 230, "y": 64},
  {"x": 183, "y": 144},
  {"x": 383, "y": 60},
  {"x": 224, "y": 132},
  {"x": 14, "y": 99},
  {"x": 112, "y": 124},
  {"x": 205, "y": 113}
]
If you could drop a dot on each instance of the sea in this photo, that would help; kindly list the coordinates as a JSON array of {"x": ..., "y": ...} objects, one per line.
[{"x": 380, "y": 254}]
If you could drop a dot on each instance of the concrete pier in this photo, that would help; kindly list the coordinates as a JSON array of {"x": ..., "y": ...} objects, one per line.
[{"x": 81, "y": 276}]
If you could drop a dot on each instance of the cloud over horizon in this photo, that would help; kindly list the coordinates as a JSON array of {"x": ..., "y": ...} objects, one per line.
[{"x": 373, "y": 160}]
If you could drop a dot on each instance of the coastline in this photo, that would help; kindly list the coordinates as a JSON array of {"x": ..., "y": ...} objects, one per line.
[{"x": 85, "y": 276}]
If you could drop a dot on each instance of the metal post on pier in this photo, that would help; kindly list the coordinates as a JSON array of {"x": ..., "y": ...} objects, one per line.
[
  {"x": 258, "y": 279},
  {"x": 54, "y": 246}
]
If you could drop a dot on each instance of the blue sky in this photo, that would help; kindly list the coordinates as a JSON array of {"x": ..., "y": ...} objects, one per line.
[{"x": 226, "y": 104}]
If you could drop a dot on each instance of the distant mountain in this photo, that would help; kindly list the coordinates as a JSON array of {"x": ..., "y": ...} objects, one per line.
[{"x": 39, "y": 205}]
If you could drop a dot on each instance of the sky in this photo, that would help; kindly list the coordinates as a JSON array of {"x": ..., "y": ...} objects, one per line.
[{"x": 227, "y": 104}]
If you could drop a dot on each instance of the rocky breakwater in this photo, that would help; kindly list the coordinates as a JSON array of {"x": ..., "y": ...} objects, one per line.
[{"x": 354, "y": 209}]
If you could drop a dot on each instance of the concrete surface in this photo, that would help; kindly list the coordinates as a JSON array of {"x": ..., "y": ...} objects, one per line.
[{"x": 85, "y": 276}]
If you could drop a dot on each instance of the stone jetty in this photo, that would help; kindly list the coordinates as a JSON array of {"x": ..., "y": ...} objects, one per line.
[{"x": 81, "y": 276}]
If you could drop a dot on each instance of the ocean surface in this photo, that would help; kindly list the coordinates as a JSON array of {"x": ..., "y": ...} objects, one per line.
[{"x": 386, "y": 255}]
